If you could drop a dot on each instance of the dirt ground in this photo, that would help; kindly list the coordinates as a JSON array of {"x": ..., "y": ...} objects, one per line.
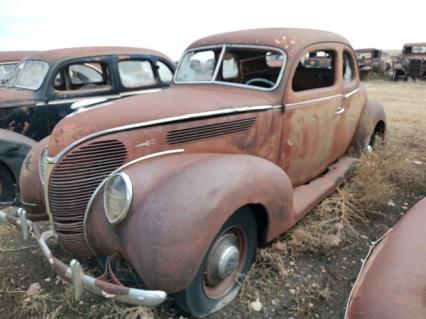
[{"x": 306, "y": 273}]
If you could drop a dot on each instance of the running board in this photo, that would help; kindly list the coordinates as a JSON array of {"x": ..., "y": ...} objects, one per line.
[{"x": 307, "y": 196}]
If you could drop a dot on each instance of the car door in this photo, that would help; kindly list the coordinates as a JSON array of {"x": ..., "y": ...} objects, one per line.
[
  {"x": 312, "y": 98},
  {"x": 353, "y": 102},
  {"x": 79, "y": 81}
]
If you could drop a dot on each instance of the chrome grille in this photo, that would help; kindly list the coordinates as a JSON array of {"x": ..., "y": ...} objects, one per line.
[{"x": 73, "y": 181}]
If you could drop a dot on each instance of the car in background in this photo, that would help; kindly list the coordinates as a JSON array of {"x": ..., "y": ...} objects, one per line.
[
  {"x": 373, "y": 61},
  {"x": 8, "y": 63},
  {"x": 183, "y": 184},
  {"x": 50, "y": 85},
  {"x": 392, "y": 280},
  {"x": 412, "y": 63}
]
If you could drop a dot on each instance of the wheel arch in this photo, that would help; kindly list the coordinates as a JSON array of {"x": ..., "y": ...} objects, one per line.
[{"x": 372, "y": 120}]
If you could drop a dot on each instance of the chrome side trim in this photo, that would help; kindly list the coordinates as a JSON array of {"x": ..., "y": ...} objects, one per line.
[
  {"x": 101, "y": 185},
  {"x": 165, "y": 120},
  {"x": 352, "y": 93},
  {"x": 108, "y": 96},
  {"x": 294, "y": 105},
  {"x": 140, "y": 92}
]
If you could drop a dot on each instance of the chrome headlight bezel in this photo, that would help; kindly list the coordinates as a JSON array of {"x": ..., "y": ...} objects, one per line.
[
  {"x": 117, "y": 218},
  {"x": 42, "y": 166}
]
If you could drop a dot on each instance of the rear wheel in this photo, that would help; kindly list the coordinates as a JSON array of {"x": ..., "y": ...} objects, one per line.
[
  {"x": 7, "y": 189},
  {"x": 218, "y": 280}
]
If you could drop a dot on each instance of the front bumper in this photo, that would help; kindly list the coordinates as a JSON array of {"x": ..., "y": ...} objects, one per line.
[{"x": 74, "y": 272}]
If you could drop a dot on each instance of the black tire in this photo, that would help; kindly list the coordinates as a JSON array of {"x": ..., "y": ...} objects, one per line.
[
  {"x": 195, "y": 300},
  {"x": 7, "y": 188}
]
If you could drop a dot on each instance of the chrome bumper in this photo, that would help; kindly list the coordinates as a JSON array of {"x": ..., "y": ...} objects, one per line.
[{"x": 74, "y": 273}]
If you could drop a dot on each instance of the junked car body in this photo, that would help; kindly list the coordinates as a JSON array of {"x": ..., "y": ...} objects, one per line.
[
  {"x": 242, "y": 145},
  {"x": 412, "y": 63},
  {"x": 8, "y": 62},
  {"x": 392, "y": 281},
  {"x": 50, "y": 85},
  {"x": 373, "y": 61}
]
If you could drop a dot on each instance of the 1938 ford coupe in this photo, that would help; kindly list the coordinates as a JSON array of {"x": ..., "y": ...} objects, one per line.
[
  {"x": 244, "y": 143},
  {"x": 49, "y": 85}
]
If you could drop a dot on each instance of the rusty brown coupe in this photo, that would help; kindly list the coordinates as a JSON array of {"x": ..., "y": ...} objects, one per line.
[{"x": 244, "y": 143}]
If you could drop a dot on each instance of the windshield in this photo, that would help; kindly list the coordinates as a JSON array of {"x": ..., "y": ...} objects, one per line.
[
  {"x": 29, "y": 75},
  {"x": 239, "y": 65},
  {"x": 363, "y": 55},
  {"x": 6, "y": 72},
  {"x": 419, "y": 49}
]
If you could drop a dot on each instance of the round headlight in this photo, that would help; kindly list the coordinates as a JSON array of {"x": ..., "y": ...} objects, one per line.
[
  {"x": 405, "y": 61},
  {"x": 117, "y": 197},
  {"x": 43, "y": 166}
]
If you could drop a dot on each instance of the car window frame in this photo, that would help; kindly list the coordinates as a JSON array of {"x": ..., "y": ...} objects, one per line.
[
  {"x": 291, "y": 96},
  {"x": 223, "y": 47},
  {"x": 53, "y": 94}
]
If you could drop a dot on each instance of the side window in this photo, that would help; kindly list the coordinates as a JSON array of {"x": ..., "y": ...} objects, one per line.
[
  {"x": 136, "y": 74},
  {"x": 164, "y": 72},
  {"x": 82, "y": 76},
  {"x": 316, "y": 69},
  {"x": 348, "y": 68}
]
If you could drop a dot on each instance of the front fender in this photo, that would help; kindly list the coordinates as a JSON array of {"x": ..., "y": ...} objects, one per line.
[
  {"x": 180, "y": 203},
  {"x": 372, "y": 115},
  {"x": 13, "y": 149},
  {"x": 31, "y": 188}
]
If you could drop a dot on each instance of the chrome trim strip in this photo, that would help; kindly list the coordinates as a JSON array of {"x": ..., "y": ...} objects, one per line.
[
  {"x": 127, "y": 93},
  {"x": 352, "y": 93},
  {"x": 81, "y": 99},
  {"x": 92, "y": 198},
  {"x": 109, "y": 96},
  {"x": 249, "y": 46},
  {"x": 294, "y": 105},
  {"x": 165, "y": 120}
]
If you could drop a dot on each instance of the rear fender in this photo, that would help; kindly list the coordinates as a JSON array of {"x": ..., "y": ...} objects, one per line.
[
  {"x": 180, "y": 203},
  {"x": 372, "y": 115}
]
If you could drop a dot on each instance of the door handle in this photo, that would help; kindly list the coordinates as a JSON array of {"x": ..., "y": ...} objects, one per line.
[{"x": 340, "y": 110}]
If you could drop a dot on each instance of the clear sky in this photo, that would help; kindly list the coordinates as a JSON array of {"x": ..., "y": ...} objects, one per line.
[{"x": 170, "y": 26}]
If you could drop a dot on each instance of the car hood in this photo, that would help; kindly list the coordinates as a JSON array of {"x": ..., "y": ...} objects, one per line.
[
  {"x": 14, "y": 97},
  {"x": 177, "y": 100}
]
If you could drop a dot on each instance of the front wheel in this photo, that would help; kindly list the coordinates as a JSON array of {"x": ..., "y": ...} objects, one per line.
[{"x": 230, "y": 256}]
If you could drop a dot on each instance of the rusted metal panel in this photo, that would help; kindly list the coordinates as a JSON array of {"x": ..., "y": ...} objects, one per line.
[{"x": 392, "y": 283}]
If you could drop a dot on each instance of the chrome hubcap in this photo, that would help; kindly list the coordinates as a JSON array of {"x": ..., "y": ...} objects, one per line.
[{"x": 223, "y": 260}]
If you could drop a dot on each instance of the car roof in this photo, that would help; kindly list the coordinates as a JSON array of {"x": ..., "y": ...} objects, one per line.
[
  {"x": 12, "y": 56},
  {"x": 367, "y": 49},
  {"x": 55, "y": 55},
  {"x": 287, "y": 39},
  {"x": 415, "y": 44}
]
